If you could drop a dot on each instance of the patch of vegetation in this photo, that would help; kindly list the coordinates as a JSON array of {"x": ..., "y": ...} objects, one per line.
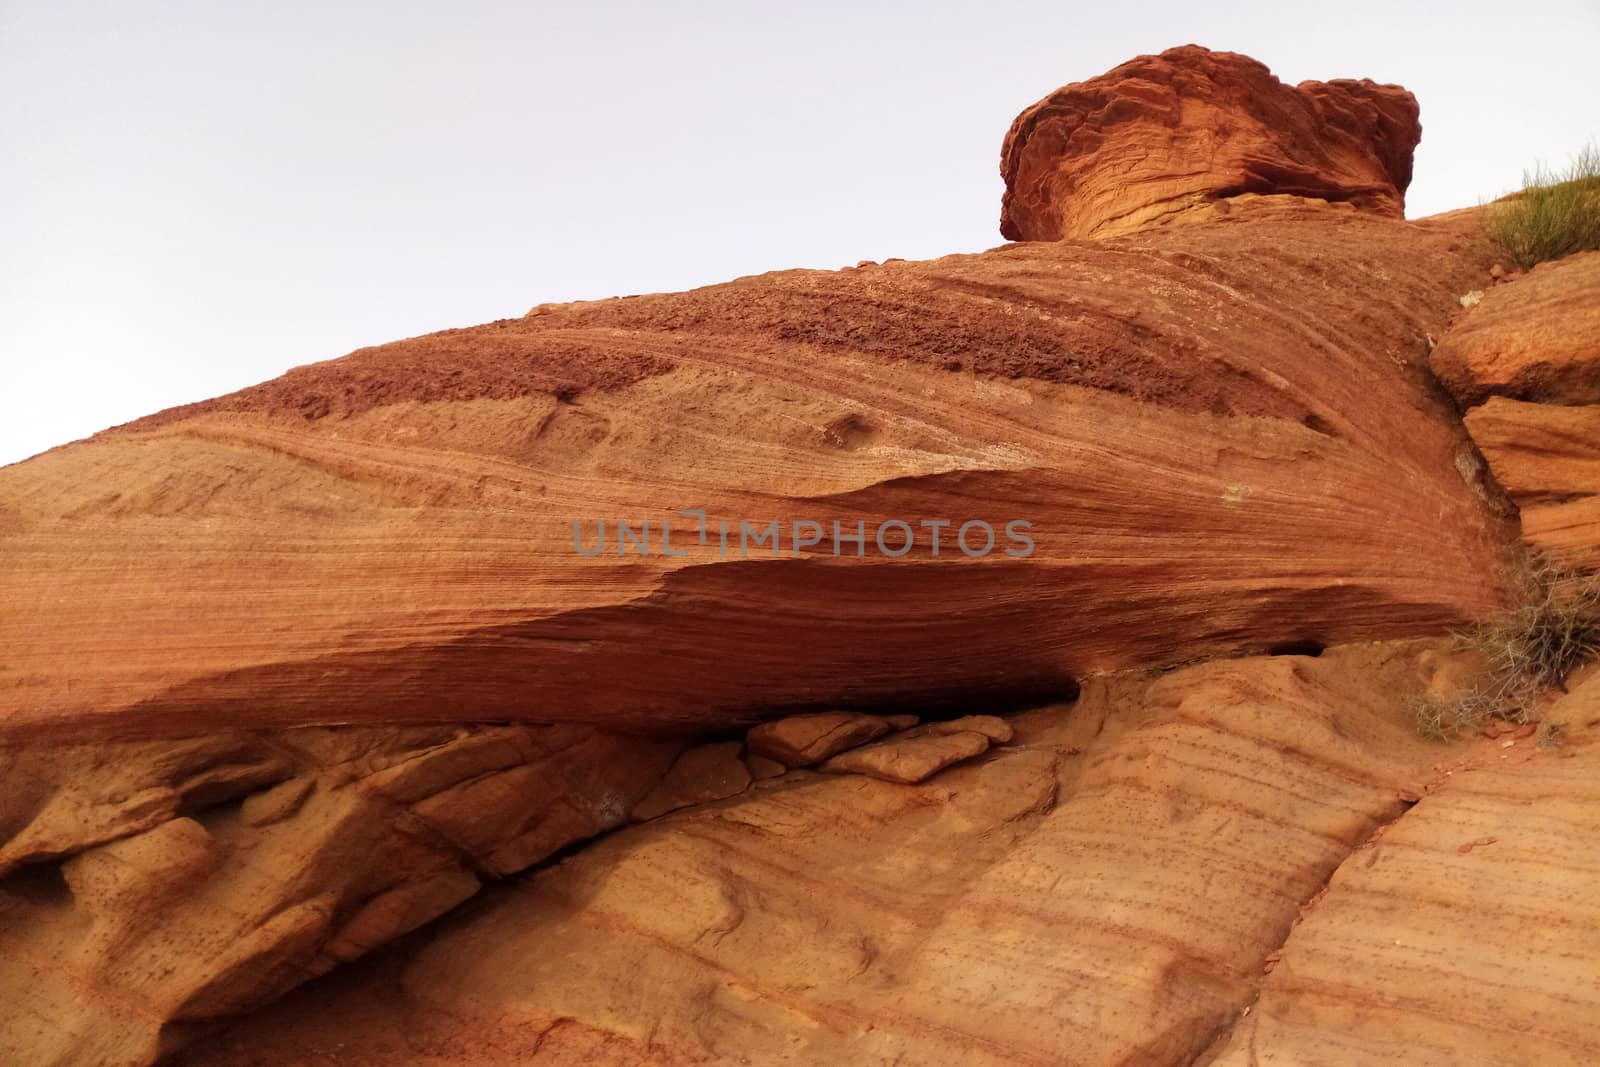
[
  {"x": 1440, "y": 719},
  {"x": 1534, "y": 647},
  {"x": 1555, "y": 215}
]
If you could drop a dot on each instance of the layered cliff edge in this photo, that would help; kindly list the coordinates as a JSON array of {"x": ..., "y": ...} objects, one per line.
[{"x": 290, "y": 674}]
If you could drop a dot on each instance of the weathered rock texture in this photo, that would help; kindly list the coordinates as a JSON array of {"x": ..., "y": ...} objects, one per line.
[
  {"x": 202, "y": 878},
  {"x": 1109, "y": 890},
  {"x": 1535, "y": 339},
  {"x": 910, "y": 759},
  {"x": 1162, "y": 137},
  {"x": 1547, "y": 456},
  {"x": 1466, "y": 934},
  {"x": 1525, "y": 361},
  {"x": 1219, "y": 433},
  {"x": 699, "y": 775}
]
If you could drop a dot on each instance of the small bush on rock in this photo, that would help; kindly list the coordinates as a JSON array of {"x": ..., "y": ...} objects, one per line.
[
  {"x": 1553, "y": 630},
  {"x": 1555, "y": 215}
]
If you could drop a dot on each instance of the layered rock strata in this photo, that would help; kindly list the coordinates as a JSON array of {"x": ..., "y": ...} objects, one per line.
[
  {"x": 1179, "y": 135},
  {"x": 1220, "y": 436}
]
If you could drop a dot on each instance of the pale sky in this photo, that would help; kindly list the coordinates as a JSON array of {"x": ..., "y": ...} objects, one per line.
[{"x": 197, "y": 196}]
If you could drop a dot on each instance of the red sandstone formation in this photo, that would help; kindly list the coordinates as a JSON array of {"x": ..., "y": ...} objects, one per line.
[
  {"x": 1220, "y": 433},
  {"x": 289, "y": 674},
  {"x": 1165, "y": 136}
]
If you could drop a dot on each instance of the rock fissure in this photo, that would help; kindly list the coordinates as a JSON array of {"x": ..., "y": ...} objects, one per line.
[{"x": 1225, "y": 1032}]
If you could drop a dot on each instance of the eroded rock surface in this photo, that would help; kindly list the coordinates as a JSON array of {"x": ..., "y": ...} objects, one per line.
[
  {"x": 1547, "y": 456},
  {"x": 802, "y": 740},
  {"x": 175, "y": 905},
  {"x": 918, "y": 753},
  {"x": 61, "y": 798},
  {"x": 1535, "y": 339},
  {"x": 991, "y": 726},
  {"x": 910, "y": 759},
  {"x": 698, "y": 776},
  {"x": 1112, "y": 884},
  {"x": 1221, "y": 435},
  {"x": 1161, "y": 137},
  {"x": 1465, "y": 935}
]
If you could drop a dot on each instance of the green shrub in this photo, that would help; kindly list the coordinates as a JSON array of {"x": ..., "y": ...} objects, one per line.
[
  {"x": 1553, "y": 629},
  {"x": 1555, "y": 215}
]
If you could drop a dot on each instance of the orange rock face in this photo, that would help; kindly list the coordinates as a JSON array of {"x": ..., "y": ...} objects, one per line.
[
  {"x": 1220, "y": 435},
  {"x": 1165, "y": 136},
  {"x": 1465, "y": 934}
]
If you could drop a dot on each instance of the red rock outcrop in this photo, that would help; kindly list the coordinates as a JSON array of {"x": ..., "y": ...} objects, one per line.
[
  {"x": 1547, "y": 456},
  {"x": 1161, "y": 137},
  {"x": 1219, "y": 434}
]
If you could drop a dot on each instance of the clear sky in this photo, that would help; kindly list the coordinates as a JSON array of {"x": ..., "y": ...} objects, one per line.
[{"x": 198, "y": 196}]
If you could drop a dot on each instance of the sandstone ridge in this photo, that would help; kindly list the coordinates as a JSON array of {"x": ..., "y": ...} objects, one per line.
[{"x": 1222, "y": 436}]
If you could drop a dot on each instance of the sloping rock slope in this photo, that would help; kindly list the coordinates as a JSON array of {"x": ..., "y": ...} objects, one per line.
[
  {"x": 289, "y": 674},
  {"x": 1466, "y": 933}
]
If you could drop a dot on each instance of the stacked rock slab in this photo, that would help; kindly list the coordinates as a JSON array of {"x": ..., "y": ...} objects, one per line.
[
  {"x": 918, "y": 753},
  {"x": 1524, "y": 363},
  {"x": 840, "y": 741}
]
